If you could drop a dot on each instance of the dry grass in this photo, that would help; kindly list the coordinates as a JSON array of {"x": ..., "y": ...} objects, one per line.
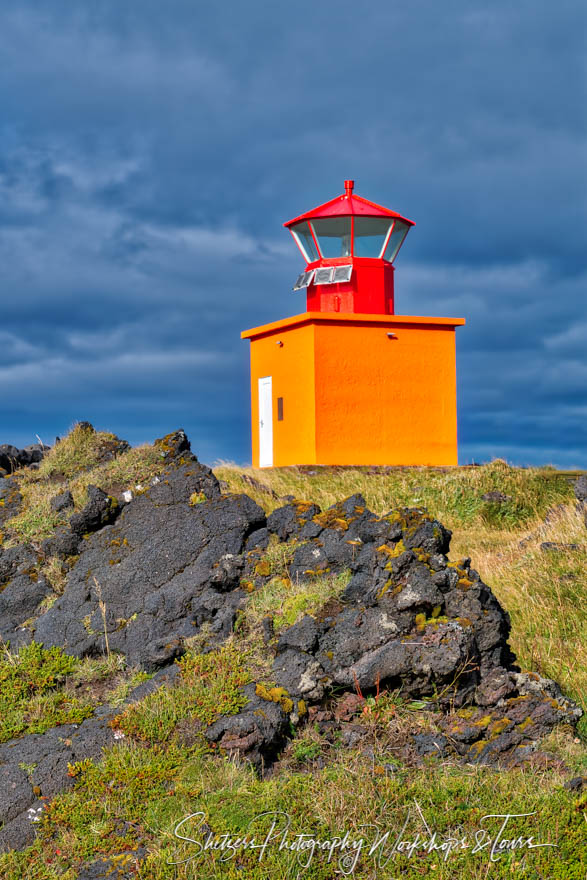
[
  {"x": 454, "y": 495},
  {"x": 71, "y": 465},
  {"x": 544, "y": 592}
]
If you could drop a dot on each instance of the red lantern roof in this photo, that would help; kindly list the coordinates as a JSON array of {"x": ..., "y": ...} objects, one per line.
[{"x": 349, "y": 204}]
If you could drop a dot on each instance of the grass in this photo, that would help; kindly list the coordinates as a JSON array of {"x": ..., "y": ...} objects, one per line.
[
  {"x": 285, "y": 601},
  {"x": 42, "y": 688},
  {"x": 454, "y": 495},
  {"x": 146, "y": 784},
  {"x": 31, "y": 700},
  {"x": 138, "y": 796},
  {"x": 210, "y": 686}
]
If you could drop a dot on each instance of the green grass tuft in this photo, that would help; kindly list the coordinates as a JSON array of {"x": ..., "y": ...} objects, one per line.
[{"x": 31, "y": 697}]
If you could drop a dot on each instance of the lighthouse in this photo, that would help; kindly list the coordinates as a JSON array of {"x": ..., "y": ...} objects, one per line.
[{"x": 349, "y": 382}]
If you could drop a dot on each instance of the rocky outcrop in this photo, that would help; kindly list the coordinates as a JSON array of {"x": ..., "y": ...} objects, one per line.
[
  {"x": 150, "y": 571},
  {"x": 409, "y": 619},
  {"x": 170, "y": 562}
]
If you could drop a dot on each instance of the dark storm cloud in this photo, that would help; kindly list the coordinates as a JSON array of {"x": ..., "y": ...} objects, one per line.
[{"x": 150, "y": 152}]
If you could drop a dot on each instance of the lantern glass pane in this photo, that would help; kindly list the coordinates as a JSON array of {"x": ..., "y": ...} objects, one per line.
[
  {"x": 370, "y": 235},
  {"x": 304, "y": 238},
  {"x": 334, "y": 236},
  {"x": 396, "y": 239}
]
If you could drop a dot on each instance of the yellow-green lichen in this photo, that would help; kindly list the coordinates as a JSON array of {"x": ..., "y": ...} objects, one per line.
[{"x": 275, "y": 695}]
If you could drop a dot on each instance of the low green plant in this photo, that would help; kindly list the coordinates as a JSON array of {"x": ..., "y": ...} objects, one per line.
[
  {"x": 210, "y": 685},
  {"x": 286, "y": 601},
  {"x": 32, "y": 698},
  {"x": 305, "y": 750}
]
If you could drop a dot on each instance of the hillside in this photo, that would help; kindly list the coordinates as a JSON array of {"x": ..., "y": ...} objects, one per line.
[{"x": 298, "y": 641}]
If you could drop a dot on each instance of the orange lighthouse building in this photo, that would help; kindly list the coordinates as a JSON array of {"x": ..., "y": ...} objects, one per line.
[{"x": 349, "y": 382}]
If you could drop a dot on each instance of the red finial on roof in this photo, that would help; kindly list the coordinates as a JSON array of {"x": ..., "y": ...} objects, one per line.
[{"x": 348, "y": 187}]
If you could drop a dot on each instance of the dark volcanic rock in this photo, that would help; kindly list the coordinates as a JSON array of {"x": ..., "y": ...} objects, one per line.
[
  {"x": 580, "y": 487},
  {"x": 100, "y": 510},
  {"x": 155, "y": 576},
  {"x": 255, "y": 733},
  {"x": 22, "y": 590},
  {"x": 289, "y": 520},
  {"x": 409, "y": 619},
  {"x": 62, "y": 501},
  {"x": 496, "y": 497},
  {"x": 63, "y": 543},
  {"x": 12, "y": 458},
  {"x": 10, "y": 498},
  {"x": 554, "y": 546}
]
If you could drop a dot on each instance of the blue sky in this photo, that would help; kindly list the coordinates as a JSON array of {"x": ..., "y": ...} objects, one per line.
[{"x": 150, "y": 152}]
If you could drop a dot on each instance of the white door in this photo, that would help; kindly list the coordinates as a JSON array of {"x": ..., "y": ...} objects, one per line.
[{"x": 265, "y": 422}]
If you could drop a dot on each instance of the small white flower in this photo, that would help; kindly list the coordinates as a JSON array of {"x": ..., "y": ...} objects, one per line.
[
  {"x": 34, "y": 814},
  {"x": 118, "y": 734},
  {"x": 127, "y": 495}
]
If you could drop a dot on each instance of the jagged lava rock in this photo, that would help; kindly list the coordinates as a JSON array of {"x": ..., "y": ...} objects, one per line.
[
  {"x": 154, "y": 576},
  {"x": 411, "y": 619}
]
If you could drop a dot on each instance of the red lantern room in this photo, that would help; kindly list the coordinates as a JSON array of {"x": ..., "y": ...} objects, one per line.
[{"x": 349, "y": 245}]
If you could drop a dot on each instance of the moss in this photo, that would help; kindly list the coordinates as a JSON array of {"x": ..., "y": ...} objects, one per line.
[
  {"x": 247, "y": 585},
  {"x": 210, "y": 686},
  {"x": 330, "y": 519},
  {"x": 302, "y": 507},
  {"x": 385, "y": 588},
  {"x": 524, "y": 724},
  {"x": 483, "y": 722},
  {"x": 32, "y": 698},
  {"x": 197, "y": 498},
  {"x": 477, "y": 747},
  {"x": 302, "y": 708},
  {"x": 392, "y": 550},
  {"x": 499, "y": 726},
  {"x": 275, "y": 695},
  {"x": 263, "y": 568},
  {"x": 420, "y": 621},
  {"x": 466, "y": 713}
]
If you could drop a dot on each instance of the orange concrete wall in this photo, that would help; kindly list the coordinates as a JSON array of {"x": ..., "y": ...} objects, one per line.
[
  {"x": 385, "y": 401},
  {"x": 291, "y": 367}
]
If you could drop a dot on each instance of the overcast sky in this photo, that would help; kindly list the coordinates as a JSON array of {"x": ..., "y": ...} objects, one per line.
[{"x": 150, "y": 152}]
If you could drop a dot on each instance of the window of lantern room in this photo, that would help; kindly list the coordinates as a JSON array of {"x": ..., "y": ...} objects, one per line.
[
  {"x": 334, "y": 236},
  {"x": 303, "y": 236},
  {"x": 370, "y": 235},
  {"x": 396, "y": 239}
]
